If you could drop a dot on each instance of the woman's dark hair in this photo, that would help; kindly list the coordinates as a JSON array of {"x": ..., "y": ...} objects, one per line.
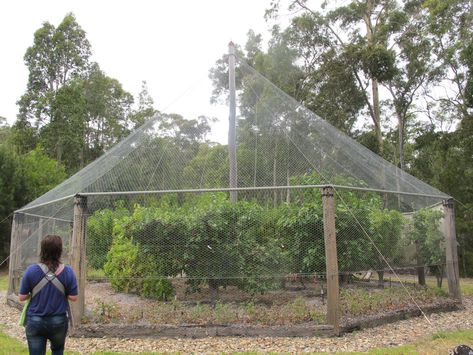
[{"x": 51, "y": 250}]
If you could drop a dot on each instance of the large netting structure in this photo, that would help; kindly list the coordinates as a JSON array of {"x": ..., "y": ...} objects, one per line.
[{"x": 156, "y": 216}]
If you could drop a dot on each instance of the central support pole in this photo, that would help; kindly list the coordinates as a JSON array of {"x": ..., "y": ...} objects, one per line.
[
  {"x": 331, "y": 260},
  {"x": 77, "y": 259},
  {"x": 232, "y": 122}
]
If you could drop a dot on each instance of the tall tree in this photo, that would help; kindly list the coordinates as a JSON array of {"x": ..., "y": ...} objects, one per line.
[
  {"x": 416, "y": 70},
  {"x": 56, "y": 56},
  {"x": 108, "y": 110},
  {"x": 330, "y": 87},
  {"x": 451, "y": 24},
  {"x": 12, "y": 191},
  {"x": 370, "y": 61},
  {"x": 89, "y": 115},
  {"x": 145, "y": 109}
]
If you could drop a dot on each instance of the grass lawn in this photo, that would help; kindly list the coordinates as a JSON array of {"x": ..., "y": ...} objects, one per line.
[
  {"x": 3, "y": 280},
  {"x": 466, "y": 285},
  {"x": 11, "y": 346}
]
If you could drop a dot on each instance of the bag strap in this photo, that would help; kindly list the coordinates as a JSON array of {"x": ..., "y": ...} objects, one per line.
[{"x": 49, "y": 276}]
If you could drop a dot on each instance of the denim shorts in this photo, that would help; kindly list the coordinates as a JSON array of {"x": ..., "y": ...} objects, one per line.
[{"x": 39, "y": 329}]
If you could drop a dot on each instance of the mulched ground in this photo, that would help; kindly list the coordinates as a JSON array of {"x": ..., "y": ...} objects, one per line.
[{"x": 394, "y": 334}]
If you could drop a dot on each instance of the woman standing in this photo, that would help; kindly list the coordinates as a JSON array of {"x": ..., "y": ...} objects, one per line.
[{"x": 50, "y": 285}]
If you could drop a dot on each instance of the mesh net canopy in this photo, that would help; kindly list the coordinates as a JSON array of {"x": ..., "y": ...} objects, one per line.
[
  {"x": 161, "y": 223},
  {"x": 278, "y": 139}
]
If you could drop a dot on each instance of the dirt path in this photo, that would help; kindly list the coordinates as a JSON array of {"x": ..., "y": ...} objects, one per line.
[{"x": 388, "y": 335}]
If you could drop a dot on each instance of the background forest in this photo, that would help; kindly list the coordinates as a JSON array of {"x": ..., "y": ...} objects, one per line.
[{"x": 397, "y": 76}]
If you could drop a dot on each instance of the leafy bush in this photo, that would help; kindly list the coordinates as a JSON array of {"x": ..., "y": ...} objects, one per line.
[
  {"x": 100, "y": 234},
  {"x": 216, "y": 243},
  {"x": 227, "y": 245},
  {"x": 426, "y": 232},
  {"x": 121, "y": 266},
  {"x": 300, "y": 228},
  {"x": 130, "y": 271},
  {"x": 300, "y": 235},
  {"x": 386, "y": 228}
]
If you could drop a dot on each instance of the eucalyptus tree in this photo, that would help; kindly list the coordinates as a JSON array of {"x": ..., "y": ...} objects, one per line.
[
  {"x": 353, "y": 30},
  {"x": 145, "y": 109},
  {"x": 416, "y": 70},
  {"x": 56, "y": 56},
  {"x": 89, "y": 114},
  {"x": 451, "y": 24},
  {"x": 108, "y": 108},
  {"x": 329, "y": 83}
]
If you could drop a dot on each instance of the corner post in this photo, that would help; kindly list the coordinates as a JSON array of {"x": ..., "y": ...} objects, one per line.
[
  {"x": 13, "y": 253},
  {"x": 232, "y": 122},
  {"x": 453, "y": 274},
  {"x": 77, "y": 261},
  {"x": 331, "y": 258}
]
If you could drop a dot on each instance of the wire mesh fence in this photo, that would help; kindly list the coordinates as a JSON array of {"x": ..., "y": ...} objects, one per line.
[
  {"x": 211, "y": 260},
  {"x": 165, "y": 243}
]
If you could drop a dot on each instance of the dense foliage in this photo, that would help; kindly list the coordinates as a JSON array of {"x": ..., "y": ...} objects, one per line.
[{"x": 215, "y": 243}]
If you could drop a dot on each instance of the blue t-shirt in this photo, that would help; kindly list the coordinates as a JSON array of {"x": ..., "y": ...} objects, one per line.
[{"x": 49, "y": 301}]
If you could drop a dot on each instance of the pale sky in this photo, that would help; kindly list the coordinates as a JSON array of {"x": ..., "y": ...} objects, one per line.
[{"x": 170, "y": 44}]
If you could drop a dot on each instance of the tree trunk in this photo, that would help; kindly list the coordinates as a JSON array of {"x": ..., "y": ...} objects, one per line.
[
  {"x": 380, "y": 278},
  {"x": 439, "y": 276},
  {"x": 420, "y": 266},
  {"x": 377, "y": 114},
  {"x": 370, "y": 4},
  {"x": 213, "y": 286},
  {"x": 59, "y": 150},
  {"x": 400, "y": 124}
]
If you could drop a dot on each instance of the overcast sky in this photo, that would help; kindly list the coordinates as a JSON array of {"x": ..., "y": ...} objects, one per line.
[{"x": 170, "y": 44}]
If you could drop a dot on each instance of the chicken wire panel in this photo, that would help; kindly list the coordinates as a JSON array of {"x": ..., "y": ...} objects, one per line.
[
  {"x": 203, "y": 242},
  {"x": 27, "y": 235},
  {"x": 374, "y": 234}
]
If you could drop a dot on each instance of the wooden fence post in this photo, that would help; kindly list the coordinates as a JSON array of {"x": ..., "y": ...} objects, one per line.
[
  {"x": 331, "y": 259},
  {"x": 78, "y": 254},
  {"x": 40, "y": 234},
  {"x": 13, "y": 252},
  {"x": 453, "y": 274}
]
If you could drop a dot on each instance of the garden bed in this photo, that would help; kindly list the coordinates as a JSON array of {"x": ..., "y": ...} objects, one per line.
[{"x": 295, "y": 311}]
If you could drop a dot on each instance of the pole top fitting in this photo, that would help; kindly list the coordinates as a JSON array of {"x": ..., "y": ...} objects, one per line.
[
  {"x": 448, "y": 202},
  {"x": 327, "y": 191},
  {"x": 231, "y": 48}
]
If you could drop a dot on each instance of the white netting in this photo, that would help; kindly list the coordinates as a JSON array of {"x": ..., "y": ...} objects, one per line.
[{"x": 160, "y": 222}]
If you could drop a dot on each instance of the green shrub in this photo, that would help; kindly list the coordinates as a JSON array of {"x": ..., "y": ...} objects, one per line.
[
  {"x": 100, "y": 234},
  {"x": 121, "y": 266},
  {"x": 161, "y": 288},
  {"x": 130, "y": 271},
  {"x": 227, "y": 245},
  {"x": 426, "y": 232}
]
